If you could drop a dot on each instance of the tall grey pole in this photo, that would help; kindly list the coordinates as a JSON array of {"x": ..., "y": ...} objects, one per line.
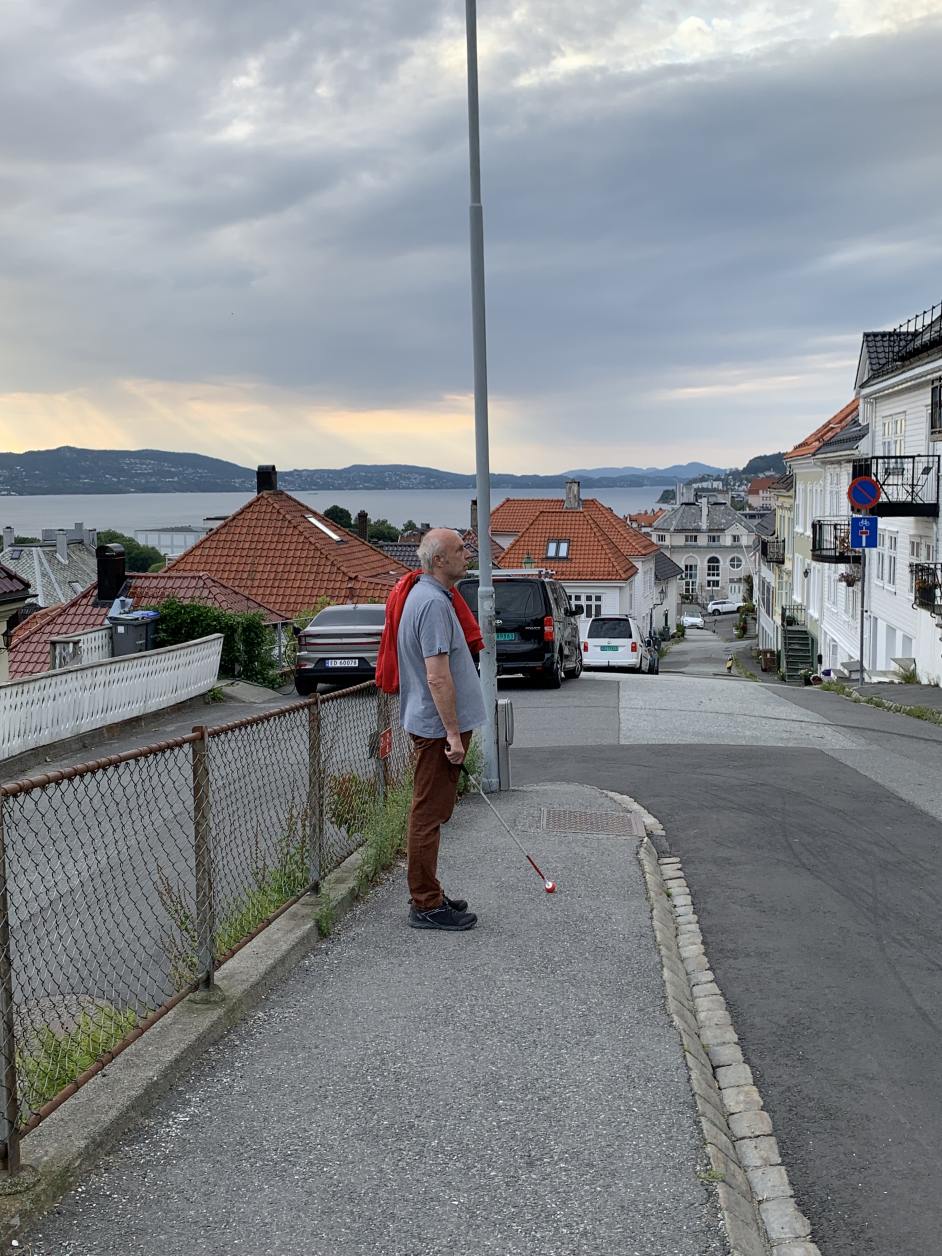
[
  {"x": 863, "y": 598},
  {"x": 486, "y": 577}
]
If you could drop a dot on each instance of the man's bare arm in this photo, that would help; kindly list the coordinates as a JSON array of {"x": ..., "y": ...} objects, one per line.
[{"x": 442, "y": 688}]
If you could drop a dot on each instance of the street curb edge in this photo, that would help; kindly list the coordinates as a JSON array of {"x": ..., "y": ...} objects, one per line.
[{"x": 753, "y": 1191}]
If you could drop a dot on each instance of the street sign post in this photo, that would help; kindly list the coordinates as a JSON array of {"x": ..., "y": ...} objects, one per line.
[
  {"x": 863, "y": 493},
  {"x": 863, "y": 532}
]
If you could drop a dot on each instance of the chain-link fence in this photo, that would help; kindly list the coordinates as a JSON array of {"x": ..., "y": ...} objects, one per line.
[{"x": 125, "y": 882}]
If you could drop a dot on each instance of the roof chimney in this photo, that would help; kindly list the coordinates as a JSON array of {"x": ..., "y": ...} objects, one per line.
[
  {"x": 573, "y": 498},
  {"x": 704, "y": 511},
  {"x": 266, "y": 479},
  {"x": 90, "y": 537},
  {"x": 474, "y": 514},
  {"x": 62, "y": 545},
  {"x": 9, "y": 537},
  {"x": 363, "y": 525},
  {"x": 111, "y": 574}
]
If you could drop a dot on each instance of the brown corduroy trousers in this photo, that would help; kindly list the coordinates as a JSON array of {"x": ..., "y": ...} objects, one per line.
[{"x": 433, "y": 800}]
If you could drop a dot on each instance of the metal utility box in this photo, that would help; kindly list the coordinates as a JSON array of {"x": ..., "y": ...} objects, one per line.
[
  {"x": 505, "y": 739},
  {"x": 134, "y": 632}
]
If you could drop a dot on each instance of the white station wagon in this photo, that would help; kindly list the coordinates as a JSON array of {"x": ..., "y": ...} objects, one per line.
[{"x": 616, "y": 641}]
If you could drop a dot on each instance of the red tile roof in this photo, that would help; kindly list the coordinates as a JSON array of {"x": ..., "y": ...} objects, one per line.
[
  {"x": 515, "y": 514},
  {"x": 645, "y": 518},
  {"x": 12, "y": 586},
  {"x": 836, "y": 423},
  {"x": 594, "y": 551},
  {"x": 761, "y": 482},
  {"x": 271, "y": 550},
  {"x": 29, "y": 649}
]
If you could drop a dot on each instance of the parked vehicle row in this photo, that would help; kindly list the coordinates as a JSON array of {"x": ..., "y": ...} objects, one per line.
[{"x": 537, "y": 629}]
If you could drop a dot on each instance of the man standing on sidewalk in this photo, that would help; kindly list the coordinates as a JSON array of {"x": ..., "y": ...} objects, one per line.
[{"x": 440, "y": 706}]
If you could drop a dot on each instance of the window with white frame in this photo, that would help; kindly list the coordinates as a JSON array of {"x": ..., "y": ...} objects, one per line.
[
  {"x": 661, "y": 538},
  {"x": 557, "y": 548},
  {"x": 692, "y": 538},
  {"x": 886, "y": 558},
  {"x": 915, "y": 556},
  {"x": 592, "y": 602},
  {"x": 713, "y": 572},
  {"x": 713, "y": 538},
  {"x": 691, "y": 575},
  {"x": 735, "y": 539},
  {"x": 735, "y": 563},
  {"x": 894, "y": 434}
]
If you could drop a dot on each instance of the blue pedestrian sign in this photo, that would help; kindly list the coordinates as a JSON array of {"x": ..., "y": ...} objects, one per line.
[
  {"x": 863, "y": 532},
  {"x": 864, "y": 492}
]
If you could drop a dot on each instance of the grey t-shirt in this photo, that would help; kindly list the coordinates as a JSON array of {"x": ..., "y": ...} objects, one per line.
[{"x": 429, "y": 626}]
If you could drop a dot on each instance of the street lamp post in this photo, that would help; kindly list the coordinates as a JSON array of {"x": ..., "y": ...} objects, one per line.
[{"x": 485, "y": 572}]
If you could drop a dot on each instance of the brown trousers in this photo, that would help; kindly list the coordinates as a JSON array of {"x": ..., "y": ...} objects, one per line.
[{"x": 433, "y": 800}]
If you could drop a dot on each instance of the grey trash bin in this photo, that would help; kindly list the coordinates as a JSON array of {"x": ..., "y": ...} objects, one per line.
[{"x": 134, "y": 632}]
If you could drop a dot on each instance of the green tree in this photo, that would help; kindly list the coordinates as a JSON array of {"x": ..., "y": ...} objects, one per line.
[
  {"x": 382, "y": 530},
  {"x": 26, "y": 540},
  {"x": 410, "y": 525},
  {"x": 136, "y": 557},
  {"x": 339, "y": 515}
]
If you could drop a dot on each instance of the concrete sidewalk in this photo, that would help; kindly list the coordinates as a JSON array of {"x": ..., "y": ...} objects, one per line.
[{"x": 514, "y": 1090}]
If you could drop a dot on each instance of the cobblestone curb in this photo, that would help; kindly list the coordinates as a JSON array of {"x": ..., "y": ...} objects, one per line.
[{"x": 754, "y": 1194}]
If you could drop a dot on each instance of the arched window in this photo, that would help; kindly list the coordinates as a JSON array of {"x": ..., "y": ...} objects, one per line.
[{"x": 713, "y": 573}]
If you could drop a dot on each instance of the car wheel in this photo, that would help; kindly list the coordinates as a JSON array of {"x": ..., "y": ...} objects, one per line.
[
  {"x": 574, "y": 672},
  {"x": 554, "y": 679},
  {"x": 305, "y": 686}
]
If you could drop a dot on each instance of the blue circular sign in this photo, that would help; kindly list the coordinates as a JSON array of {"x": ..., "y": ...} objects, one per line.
[{"x": 864, "y": 492}]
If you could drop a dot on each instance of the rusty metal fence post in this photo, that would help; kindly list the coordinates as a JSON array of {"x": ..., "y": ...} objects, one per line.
[
  {"x": 382, "y": 749},
  {"x": 11, "y": 1104},
  {"x": 315, "y": 794},
  {"x": 203, "y": 859}
]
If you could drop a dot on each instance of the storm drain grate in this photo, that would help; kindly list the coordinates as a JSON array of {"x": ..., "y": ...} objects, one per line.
[{"x": 616, "y": 823}]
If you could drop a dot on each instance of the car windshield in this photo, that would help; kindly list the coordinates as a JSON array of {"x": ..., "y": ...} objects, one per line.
[
  {"x": 513, "y": 599},
  {"x": 357, "y": 616},
  {"x": 601, "y": 627}
]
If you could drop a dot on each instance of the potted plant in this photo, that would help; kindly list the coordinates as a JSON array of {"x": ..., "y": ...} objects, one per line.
[{"x": 805, "y": 675}]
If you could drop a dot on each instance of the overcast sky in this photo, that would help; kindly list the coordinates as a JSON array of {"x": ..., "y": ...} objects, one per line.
[{"x": 241, "y": 229}]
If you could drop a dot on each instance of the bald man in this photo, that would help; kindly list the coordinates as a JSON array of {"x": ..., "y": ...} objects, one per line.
[{"x": 440, "y": 705}]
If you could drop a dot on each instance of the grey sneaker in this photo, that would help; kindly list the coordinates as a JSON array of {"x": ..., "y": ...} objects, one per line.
[{"x": 444, "y": 917}]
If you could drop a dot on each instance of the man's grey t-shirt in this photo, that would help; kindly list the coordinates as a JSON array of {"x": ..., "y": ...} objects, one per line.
[{"x": 429, "y": 626}]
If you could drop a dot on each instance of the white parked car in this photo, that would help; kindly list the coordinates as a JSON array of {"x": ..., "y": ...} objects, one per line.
[
  {"x": 693, "y": 619},
  {"x": 616, "y": 641},
  {"x": 725, "y": 606}
]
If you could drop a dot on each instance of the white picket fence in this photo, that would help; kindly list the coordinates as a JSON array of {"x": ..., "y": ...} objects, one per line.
[{"x": 55, "y": 705}]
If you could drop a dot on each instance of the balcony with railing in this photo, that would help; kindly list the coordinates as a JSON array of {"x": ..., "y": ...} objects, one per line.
[
  {"x": 830, "y": 542},
  {"x": 772, "y": 549},
  {"x": 909, "y": 484},
  {"x": 793, "y": 616},
  {"x": 927, "y": 587}
]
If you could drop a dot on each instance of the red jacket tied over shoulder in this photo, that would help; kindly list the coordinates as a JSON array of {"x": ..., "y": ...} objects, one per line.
[{"x": 387, "y": 660}]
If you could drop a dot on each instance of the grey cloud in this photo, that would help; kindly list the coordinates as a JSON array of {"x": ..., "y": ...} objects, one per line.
[{"x": 642, "y": 228}]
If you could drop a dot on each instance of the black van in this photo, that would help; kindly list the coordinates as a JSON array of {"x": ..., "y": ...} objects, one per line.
[{"x": 537, "y": 628}]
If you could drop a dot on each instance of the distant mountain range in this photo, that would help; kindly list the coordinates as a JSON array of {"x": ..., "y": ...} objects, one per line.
[
  {"x": 686, "y": 471},
  {"x": 72, "y": 470}
]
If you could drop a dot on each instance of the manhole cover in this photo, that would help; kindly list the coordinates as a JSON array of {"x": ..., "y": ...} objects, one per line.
[{"x": 617, "y": 823}]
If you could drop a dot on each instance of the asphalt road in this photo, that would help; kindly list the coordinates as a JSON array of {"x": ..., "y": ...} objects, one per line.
[{"x": 809, "y": 828}]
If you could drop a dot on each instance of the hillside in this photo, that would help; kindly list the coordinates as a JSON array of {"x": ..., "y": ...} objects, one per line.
[{"x": 69, "y": 470}]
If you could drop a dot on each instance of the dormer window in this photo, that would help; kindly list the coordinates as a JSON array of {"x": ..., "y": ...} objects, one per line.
[{"x": 557, "y": 548}]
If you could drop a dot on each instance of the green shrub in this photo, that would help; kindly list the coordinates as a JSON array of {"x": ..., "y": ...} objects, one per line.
[{"x": 248, "y": 643}]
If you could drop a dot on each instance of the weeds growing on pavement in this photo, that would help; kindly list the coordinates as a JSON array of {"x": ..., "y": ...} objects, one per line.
[
  {"x": 929, "y": 714},
  {"x": 384, "y": 833},
  {"x": 52, "y": 1058}
]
